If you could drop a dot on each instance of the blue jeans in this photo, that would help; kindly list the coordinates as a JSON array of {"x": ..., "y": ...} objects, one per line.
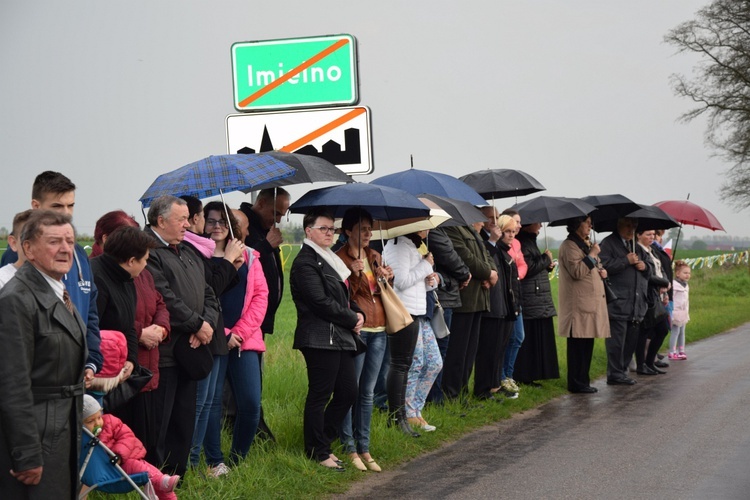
[
  {"x": 366, "y": 368},
  {"x": 511, "y": 352},
  {"x": 380, "y": 399},
  {"x": 244, "y": 377},
  {"x": 212, "y": 440},
  {"x": 205, "y": 400}
]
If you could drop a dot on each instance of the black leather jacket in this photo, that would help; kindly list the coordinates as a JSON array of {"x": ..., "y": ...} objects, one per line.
[{"x": 326, "y": 314}]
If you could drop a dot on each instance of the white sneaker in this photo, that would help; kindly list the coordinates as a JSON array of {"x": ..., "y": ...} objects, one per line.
[{"x": 218, "y": 470}]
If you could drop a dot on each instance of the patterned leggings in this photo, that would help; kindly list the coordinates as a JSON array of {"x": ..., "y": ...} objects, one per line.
[{"x": 425, "y": 367}]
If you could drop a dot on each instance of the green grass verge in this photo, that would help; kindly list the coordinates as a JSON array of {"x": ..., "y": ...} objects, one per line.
[{"x": 720, "y": 300}]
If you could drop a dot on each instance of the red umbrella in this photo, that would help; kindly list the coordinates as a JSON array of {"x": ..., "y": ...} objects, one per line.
[{"x": 686, "y": 212}]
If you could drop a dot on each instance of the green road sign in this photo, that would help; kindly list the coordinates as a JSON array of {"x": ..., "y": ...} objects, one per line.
[{"x": 295, "y": 73}]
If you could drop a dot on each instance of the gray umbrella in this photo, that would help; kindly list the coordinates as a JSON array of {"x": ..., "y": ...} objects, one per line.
[
  {"x": 309, "y": 169},
  {"x": 502, "y": 183}
]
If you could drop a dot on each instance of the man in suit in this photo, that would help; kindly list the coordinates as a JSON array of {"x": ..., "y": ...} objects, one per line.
[
  {"x": 41, "y": 367},
  {"x": 628, "y": 274}
]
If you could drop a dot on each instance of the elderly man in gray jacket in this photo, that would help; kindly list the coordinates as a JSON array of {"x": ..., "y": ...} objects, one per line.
[{"x": 41, "y": 367}]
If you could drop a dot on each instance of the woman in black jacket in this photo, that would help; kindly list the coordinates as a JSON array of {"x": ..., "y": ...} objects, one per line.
[
  {"x": 125, "y": 254},
  {"x": 327, "y": 322},
  {"x": 537, "y": 357}
]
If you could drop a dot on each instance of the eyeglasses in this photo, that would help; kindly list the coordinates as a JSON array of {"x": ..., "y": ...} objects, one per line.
[
  {"x": 324, "y": 229},
  {"x": 215, "y": 222}
]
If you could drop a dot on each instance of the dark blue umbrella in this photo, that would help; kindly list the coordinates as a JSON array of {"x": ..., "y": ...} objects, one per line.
[
  {"x": 417, "y": 182},
  {"x": 383, "y": 202},
  {"x": 217, "y": 175}
]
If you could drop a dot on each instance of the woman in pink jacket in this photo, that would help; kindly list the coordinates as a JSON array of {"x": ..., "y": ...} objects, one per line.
[{"x": 243, "y": 308}]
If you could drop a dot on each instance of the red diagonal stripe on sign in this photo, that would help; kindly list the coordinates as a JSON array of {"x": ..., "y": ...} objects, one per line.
[
  {"x": 290, "y": 148},
  {"x": 291, "y": 74}
]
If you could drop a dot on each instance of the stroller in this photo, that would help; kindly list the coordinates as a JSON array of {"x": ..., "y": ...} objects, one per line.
[{"x": 99, "y": 470}]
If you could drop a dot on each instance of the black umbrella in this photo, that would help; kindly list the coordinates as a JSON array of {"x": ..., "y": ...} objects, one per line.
[
  {"x": 649, "y": 217},
  {"x": 552, "y": 209},
  {"x": 610, "y": 206},
  {"x": 462, "y": 213},
  {"x": 502, "y": 183},
  {"x": 308, "y": 169}
]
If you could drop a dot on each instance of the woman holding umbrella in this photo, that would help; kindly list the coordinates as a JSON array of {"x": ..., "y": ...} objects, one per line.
[
  {"x": 583, "y": 306},
  {"x": 413, "y": 276},
  {"x": 365, "y": 264},
  {"x": 327, "y": 322},
  {"x": 537, "y": 356}
]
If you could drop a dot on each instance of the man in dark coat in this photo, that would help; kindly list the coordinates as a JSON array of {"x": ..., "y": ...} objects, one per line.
[
  {"x": 628, "y": 274},
  {"x": 265, "y": 237},
  {"x": 475, "y": 299},
  {"x": 41, "y": 367},
  {"x": 270, "y": 206},
  {"x": 193, "y": 313}
]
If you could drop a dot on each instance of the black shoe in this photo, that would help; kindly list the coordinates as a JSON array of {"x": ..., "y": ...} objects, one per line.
[
  {"x": 645, "y": 370},
  {"x": 621, "y": 381},
  {"x": 661, "y": 364},
  {"x": 584, "y": 390},
  {"x": 656, "y": 370},
  {"x": 660, "y": 357},
  {"x": 399, "y": 421},
  {"x": 530, "y": 382}
]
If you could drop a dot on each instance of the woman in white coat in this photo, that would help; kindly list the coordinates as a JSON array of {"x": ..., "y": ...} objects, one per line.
[{"x": 414, "y": 279}]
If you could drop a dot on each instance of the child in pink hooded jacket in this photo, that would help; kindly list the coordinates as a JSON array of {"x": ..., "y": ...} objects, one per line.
[{"x": 120, "y": 439}]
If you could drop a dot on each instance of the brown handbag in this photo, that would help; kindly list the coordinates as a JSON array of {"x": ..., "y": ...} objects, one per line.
[{"x": 396, "y": 316}]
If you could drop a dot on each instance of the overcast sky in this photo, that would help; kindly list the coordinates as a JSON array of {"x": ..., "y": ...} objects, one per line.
[{"x": 575, "y": 93}]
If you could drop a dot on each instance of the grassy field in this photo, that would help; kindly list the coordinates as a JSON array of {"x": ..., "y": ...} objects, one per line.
[{"x": 720, "y": 300}]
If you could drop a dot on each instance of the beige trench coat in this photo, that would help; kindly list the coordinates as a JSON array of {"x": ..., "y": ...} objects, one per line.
[{"x": 582, "y": 311}]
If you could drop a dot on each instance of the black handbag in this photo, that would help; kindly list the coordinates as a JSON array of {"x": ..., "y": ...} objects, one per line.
[
  {"x": 656, "y": 312},
  {"x": 197, "y": 362}
]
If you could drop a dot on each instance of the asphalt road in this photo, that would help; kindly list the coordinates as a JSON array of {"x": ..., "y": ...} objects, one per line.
[{"x": 684, "y": 435}]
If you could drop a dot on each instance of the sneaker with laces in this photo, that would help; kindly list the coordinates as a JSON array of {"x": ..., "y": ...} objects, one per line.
[
  {"x": 509, "y": 387},
  {"x": 218, "y": 470},
  {"x": 514, "y": 385},
  {"x": 681, "y": 355},
  {"x": 674, "y": 355}
]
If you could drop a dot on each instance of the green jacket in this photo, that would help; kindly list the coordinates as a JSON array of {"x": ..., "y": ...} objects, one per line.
[{"x": 468, "y": 245}]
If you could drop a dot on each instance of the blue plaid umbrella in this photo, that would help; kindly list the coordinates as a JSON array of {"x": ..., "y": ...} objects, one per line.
[
  {"x": 218, "y": 174},
  {"x": 417, "y": 181}
]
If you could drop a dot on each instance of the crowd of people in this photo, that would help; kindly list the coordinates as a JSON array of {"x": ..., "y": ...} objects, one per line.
[{"x": 156, "y": 320}]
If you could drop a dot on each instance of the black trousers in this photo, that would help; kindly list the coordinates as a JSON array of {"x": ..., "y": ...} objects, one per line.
[
  {"x": 494, "y": 334},
  {"x": 620, "y": 346},
  {"x": 579, "y": 362},
  {"x": 657, "y": 335},
  {"x": 329, "y": 373},
  {"x": 401, "y": 346},
  {"x": 462, "y": 351},
  {"x": 174, "y": 417}
]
